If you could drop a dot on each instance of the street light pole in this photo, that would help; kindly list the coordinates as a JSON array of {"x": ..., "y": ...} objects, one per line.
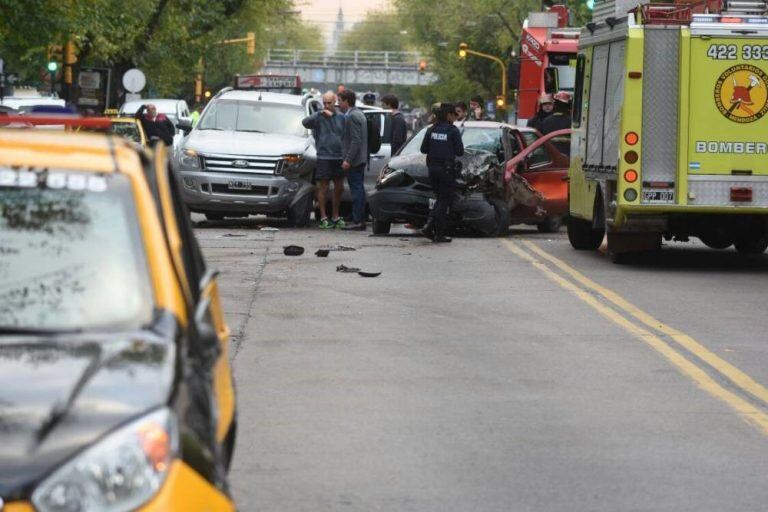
[{"x": 464, "y": 51}]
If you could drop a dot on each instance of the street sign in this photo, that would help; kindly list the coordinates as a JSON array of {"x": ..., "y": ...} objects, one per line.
[{"x": 134, "y": 80}]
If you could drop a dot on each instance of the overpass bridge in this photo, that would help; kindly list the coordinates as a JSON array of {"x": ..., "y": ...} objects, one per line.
[{"x": 319, "y": 68}]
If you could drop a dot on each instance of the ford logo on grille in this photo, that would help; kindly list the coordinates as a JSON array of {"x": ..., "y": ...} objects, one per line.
[{"x": 240, "y": 163}]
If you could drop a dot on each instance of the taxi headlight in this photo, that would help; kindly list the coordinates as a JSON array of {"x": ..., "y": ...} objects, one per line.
[
  {"x": 120, "y": 473},
  {"x": 190, "y": 158}
]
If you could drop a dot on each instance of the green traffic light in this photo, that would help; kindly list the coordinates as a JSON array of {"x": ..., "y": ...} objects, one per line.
[{"x": 53, "y": 66}]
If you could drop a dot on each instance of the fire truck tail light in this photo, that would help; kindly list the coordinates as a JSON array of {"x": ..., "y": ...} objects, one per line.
[
  {"x": 741, "y": 194},
  {"x": 630, "y": 176},
  {"x": 630, "y": 194},
  {"x": 631, "y": 138},
  {"x": 731, "y": 20},
  {"x": 631, "y": 157}
]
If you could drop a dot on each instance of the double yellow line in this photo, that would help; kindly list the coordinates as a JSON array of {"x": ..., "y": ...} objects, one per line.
[{"x": 648, "y": 329}]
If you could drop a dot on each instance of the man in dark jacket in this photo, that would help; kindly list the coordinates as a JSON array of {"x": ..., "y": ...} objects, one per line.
[
  {"x": 156, "y": 125},
  {"x": 399, "y": 128},
  {"x": 327, "y": 127},
  {"x": 354, "y": 150}
]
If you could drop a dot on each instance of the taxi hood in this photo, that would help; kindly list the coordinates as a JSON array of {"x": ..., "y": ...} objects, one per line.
[
  {"x": 59, "y": 395},
  {"x": 228, "y": 142}
]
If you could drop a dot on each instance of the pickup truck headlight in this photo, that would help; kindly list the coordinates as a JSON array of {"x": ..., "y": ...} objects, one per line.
[
  {"x": 290, "y": 163},
  {"x": 120, "y": 473},
  {"x": 189, "y": 158}
]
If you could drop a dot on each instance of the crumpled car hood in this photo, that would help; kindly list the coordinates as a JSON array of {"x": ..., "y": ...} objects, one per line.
[{"x": 480, "y": 171}]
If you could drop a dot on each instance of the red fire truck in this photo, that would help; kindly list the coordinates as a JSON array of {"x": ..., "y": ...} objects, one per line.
[{"x": 547, "y": 59}]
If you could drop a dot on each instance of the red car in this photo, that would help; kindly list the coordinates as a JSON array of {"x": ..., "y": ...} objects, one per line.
[{"x": 545, "y": 168}]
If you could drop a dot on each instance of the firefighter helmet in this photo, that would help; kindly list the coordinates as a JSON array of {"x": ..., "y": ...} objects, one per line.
[
  {"x": 545, "y": 98},
  {"x": 563, "y": 97}
]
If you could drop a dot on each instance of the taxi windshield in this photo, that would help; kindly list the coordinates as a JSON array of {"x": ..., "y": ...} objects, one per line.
[
  {"x": 253, "y": 116},
  {"x": 70, "y": 256},
  {"x": 129, "y": 131}
]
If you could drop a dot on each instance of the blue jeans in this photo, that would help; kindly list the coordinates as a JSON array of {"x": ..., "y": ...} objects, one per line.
[{"x": 355, "y": 178}]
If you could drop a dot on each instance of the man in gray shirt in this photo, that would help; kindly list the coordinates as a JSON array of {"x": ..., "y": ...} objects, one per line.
[
  {"x": 354, "y": 150},
  {"x": 327, "y": 127}
]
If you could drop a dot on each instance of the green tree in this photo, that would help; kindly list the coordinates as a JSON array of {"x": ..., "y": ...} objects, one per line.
[{"x": 379, "y": 31}]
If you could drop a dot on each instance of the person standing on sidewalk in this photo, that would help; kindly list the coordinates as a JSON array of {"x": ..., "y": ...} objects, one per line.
[
  {"x": 398, "y": 126},
  {"x": 354, "y": 150},
  {"x": 327, "y": 127},
  {"x": 442, "y": 144}
]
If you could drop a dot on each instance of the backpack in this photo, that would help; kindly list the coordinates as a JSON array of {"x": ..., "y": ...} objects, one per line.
[{"x": 374, "y": 136}]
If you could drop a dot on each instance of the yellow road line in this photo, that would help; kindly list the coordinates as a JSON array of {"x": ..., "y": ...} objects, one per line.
[
  {"x": 729, "y": 371},
  {"x": 741, "y": 406}
]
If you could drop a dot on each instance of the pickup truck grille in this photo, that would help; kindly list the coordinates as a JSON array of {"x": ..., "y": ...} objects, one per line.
[{"x": 242, "y": 164}]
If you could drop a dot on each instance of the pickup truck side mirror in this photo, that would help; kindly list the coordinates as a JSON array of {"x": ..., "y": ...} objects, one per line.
[{"x": 185, "y": 125}]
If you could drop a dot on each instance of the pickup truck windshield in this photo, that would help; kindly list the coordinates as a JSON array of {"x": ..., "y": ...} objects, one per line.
[
  {"x": 253, "y": 116},
  {"x": 71, "y": 254}
]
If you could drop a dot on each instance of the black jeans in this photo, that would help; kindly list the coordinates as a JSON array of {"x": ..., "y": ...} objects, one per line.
[{"x": 443, "y": 183}]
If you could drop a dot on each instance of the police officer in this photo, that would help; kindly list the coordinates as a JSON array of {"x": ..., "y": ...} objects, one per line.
[{"x": 442, "y": 144}]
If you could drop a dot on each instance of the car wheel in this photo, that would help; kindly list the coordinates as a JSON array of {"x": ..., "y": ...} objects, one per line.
[
  {"x": 299, "y": 213},
  {"x": 214, "y": 216},
  {"x": 756, "y": 245},
  {"x": 583, "y": 236},
  {"x": 502, "y": 217},
  {"x": 381, "y": 227},
  {"x": 550, "y": 225}
]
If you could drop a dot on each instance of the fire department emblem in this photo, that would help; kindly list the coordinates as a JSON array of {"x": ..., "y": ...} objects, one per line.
[{"x": 741, "y": 93}]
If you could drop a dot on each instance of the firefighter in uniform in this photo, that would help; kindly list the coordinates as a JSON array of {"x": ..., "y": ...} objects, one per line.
[
  {"x": 442, "y": 144},
  {"x": 546, "y": 105},
  {"x": 560, "y": 120}
]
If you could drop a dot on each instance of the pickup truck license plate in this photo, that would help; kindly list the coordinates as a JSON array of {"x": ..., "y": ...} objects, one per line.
[
  {"x": 239, "y": 185},
  {"x": 665, "y": 195}
]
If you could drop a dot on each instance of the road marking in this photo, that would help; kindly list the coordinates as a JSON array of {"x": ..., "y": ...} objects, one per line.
[
  {"x": 738, "y": 377},
  {"x": 742, "y": 407}
]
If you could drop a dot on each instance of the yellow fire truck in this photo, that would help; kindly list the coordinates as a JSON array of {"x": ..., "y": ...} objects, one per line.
[{"x": 670, "y": 129}]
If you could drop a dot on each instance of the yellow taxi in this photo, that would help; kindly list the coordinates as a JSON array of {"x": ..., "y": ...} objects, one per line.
[
  {"x": 115, "y": 383},
  {"x": 126, "y": 127}
]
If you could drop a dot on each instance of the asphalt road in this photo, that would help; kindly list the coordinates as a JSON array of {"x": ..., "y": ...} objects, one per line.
[{"x": 493, "y": 374}]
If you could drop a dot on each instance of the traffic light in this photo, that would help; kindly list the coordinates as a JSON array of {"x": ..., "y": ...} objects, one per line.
[
  {"x": 250, "y": 43},
  {"x": 207, "y": 94},
  {"x": 70, "y": 57},
  {"x": 422, "y": 66},
  {"x": 462, "y": 50},
  {"x": 55, "y": 56},
  {"x": 500, "y": 103}
]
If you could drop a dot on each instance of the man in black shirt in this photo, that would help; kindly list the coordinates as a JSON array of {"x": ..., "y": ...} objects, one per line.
[{"x": 399, "y": 128}]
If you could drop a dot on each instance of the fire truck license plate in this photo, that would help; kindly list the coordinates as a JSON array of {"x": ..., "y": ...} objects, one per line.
[
  {"x": 658, "y": 196},
  {"x": 238, "y": 185}
]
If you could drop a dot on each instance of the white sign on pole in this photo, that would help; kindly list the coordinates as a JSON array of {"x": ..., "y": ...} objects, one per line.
[{"x": 134, "y": 80}]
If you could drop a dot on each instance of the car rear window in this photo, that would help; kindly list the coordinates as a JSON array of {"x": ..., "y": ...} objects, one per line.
[{"x": 71, "y": 255}]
